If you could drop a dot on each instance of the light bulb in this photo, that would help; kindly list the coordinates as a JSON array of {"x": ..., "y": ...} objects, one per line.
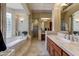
[{"x": 21, "y": 19}]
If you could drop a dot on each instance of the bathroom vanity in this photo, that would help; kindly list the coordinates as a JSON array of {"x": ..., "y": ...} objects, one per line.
[
  {"x": 61, "y": 47},
  {"x": 54, "y": 49}
]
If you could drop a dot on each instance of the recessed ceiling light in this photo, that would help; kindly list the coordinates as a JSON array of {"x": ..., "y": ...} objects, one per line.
[{"x": 45, "y": 19}]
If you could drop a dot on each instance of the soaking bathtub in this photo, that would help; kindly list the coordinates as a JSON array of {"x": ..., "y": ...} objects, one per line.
[
  {"x": 15, "y": 41},
  {"x": 17, "y": 46}
]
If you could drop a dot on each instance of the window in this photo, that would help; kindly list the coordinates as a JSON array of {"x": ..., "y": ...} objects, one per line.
[
  {"x": 8, "y": 25},
  {"x": 76, "y": 21}
]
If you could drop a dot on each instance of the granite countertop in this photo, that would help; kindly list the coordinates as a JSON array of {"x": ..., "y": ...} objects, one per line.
[{"x": 68, "y": 46}]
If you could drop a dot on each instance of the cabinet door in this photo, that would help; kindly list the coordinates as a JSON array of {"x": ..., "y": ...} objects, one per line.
[
  {"x": 49, "y": 47},
  {"x": 51, "y": 51},
  {"x": 64, "y": 53},
  {"x": 57, "y": 49},
  {"x": 42, "y": 36},
  {"x": 56, "y": 53}
]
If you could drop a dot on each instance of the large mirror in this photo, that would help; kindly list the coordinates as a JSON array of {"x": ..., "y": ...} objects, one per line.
[
  {"x": 70, "y": 19},
  {"x": 75, "y": 23}
]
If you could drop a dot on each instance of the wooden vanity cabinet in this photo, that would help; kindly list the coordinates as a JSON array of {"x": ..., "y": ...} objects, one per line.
[
  {"x": 54, "y": 49},
  {"x": 64, "y": 53},
  {"x": 43, "y": 36},
  {"x": 50, "y": 47},
  {"x": 57, "y": 51}
]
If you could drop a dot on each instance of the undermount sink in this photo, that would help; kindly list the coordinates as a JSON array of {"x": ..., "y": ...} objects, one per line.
[{"x": 65, "y": 40}]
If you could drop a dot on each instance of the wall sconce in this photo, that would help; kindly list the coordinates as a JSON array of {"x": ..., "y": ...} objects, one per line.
[{"x": 21, "y": 19}]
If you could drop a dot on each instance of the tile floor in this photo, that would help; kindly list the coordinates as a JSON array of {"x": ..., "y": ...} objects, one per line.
[{"x": 37, "y": 49}]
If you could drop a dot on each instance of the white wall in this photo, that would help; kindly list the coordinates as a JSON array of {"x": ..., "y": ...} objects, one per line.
[{"x": 24, "y": 26}]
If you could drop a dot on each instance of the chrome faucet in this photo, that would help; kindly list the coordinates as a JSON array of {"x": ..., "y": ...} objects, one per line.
[{"x": 65, "y": 36}]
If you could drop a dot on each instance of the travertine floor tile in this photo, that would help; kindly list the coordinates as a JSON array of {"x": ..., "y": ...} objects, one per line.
[{"x": 37, "y": 49}]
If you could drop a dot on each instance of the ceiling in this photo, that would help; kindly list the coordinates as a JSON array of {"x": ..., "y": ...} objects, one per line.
[
  {"x": 34, "y": 7},
  {"x": 41, "y": 7},
  {"x": 14, "y": 6}
]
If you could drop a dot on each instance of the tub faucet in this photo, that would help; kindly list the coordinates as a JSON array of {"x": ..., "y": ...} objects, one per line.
[{"x": 65, "y": 36}]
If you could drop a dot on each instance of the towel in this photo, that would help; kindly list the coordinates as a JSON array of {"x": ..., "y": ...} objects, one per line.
[{"x": 2, "y": 44}]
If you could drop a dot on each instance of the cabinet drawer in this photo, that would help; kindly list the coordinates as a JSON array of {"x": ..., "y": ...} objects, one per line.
[{"x": 58, "y": 49}]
